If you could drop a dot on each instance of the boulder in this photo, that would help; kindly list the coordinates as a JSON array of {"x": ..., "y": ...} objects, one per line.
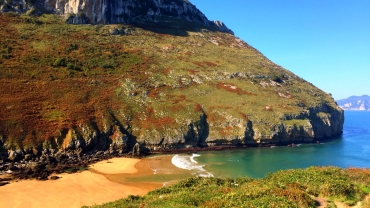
[
  {"x": 139, "y": 150},
  {"x": 14, "y": 156}
]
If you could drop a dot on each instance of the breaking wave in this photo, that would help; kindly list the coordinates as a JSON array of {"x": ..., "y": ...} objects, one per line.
[{"x": 187, "y": 162}]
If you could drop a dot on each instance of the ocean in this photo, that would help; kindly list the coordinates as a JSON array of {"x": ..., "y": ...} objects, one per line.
[{"x": 352, "y": 149}]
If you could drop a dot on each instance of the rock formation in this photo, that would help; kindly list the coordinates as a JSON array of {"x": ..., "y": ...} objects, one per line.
[{"x": 116, "y": 11}]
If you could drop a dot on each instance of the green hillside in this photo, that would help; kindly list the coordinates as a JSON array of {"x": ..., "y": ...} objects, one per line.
[{"x": 172, "y": 85}]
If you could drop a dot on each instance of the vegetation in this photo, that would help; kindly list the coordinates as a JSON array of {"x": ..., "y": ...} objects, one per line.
[
  {"x": 286, "y": 188},
  {"x": 56, "y": 76}
]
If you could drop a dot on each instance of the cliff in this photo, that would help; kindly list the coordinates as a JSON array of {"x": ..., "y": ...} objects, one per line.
[
  {"x": 116, "y": 11},
  {"x": 125, "y": 88},
  {"x": 361, "y": 103}
]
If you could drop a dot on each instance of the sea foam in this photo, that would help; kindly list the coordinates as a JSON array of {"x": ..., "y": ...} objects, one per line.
[{"x": 187, "y": 162}]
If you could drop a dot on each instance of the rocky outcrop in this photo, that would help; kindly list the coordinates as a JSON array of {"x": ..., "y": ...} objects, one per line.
[
  {"x": 42, "y": 166},
  {"x": 360, "y": 103},
  {"x": 117, "y": 11},
  {"x": 220, "y": 26}
]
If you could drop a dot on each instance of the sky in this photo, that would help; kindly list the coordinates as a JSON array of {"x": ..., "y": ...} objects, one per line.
[{"x": 326, "y": 42}]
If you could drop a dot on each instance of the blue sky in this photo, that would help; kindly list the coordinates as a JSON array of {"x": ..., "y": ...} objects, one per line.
[{"x": 326, "y": 42}]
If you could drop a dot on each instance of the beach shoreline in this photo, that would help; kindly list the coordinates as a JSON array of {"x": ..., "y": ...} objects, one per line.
[
  {"x": 89, "y": 187},
  {"x": 104, "y": 181},
  {"x": 41, "y": 167}
]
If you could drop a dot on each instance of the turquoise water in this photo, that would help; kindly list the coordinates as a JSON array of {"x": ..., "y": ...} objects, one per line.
[{"x": 352, "y": 149}]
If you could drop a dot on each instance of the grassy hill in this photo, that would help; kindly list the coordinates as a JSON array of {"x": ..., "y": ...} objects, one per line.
[
  {"x": 309, "y": 187},
  {"x": 166, "y": 86}
]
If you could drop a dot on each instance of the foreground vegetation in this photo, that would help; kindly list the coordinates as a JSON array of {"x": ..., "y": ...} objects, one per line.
[{"x": 285, "y": 188}]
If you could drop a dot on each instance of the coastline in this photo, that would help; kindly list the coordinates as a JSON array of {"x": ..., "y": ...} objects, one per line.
[
  {"x": 104, "y": 181},
  {"x": 49, "y": 163},
  {"x": 89, "y": 187}
]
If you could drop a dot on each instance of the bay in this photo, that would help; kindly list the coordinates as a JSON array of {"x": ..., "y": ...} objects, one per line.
[{"x": 352, "y": 149}]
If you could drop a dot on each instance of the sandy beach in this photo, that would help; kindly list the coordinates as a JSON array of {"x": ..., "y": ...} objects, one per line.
[{"x": 94, "y": 186}]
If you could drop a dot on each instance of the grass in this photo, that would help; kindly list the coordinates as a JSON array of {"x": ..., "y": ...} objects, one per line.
[
  {"x": 286, "y": 188},
  {"x": 54, "y": 115},
  {"x": 84, "y": 72},
  {"x": 297, "y": 122}
]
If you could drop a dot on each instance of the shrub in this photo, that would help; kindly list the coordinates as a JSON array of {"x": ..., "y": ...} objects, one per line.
[
  {"x": 109, "y": 65},
  {"x": 71, "y": 66},
  {"x": 60, "y": 62}
]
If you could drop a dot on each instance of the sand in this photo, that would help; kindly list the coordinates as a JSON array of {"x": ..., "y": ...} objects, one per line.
[
  {"x": 116, "y": 166},
  {"x": 75, "y": 190}
]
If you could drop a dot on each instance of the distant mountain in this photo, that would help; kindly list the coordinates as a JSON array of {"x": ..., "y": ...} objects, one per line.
[{"x": 355, "y": 103}]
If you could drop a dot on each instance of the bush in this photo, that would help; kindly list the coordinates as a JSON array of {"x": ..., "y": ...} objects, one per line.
[
  {"x": 71, "y": 66},
  {"x": 109, "y": 65},
  {"x": 60, "y": 62}
]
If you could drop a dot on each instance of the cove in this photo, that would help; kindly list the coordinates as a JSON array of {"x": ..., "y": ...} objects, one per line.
[{"x": 352, "y": 149}]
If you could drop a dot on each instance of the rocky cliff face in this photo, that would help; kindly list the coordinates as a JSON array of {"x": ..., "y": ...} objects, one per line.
[
  {"x": 116, "y": 11},
  {"x": 311, "y": 125},
  {"x": 361, "y": 103}
]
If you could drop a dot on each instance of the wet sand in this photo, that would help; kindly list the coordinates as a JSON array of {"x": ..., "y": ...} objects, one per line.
[
  {"x": 116, "y": 166},
  {"x": 105, "y": 181},
  {"x": 161, "y": 171}
]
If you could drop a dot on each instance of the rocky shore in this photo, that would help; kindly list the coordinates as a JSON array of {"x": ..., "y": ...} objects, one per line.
[
  {"x": 43, "y": 166},
  {"x": 16, "y": 165}
]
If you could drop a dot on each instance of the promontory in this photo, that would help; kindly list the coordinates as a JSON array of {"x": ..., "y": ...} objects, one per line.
[{"x": 121, "y": 76}]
